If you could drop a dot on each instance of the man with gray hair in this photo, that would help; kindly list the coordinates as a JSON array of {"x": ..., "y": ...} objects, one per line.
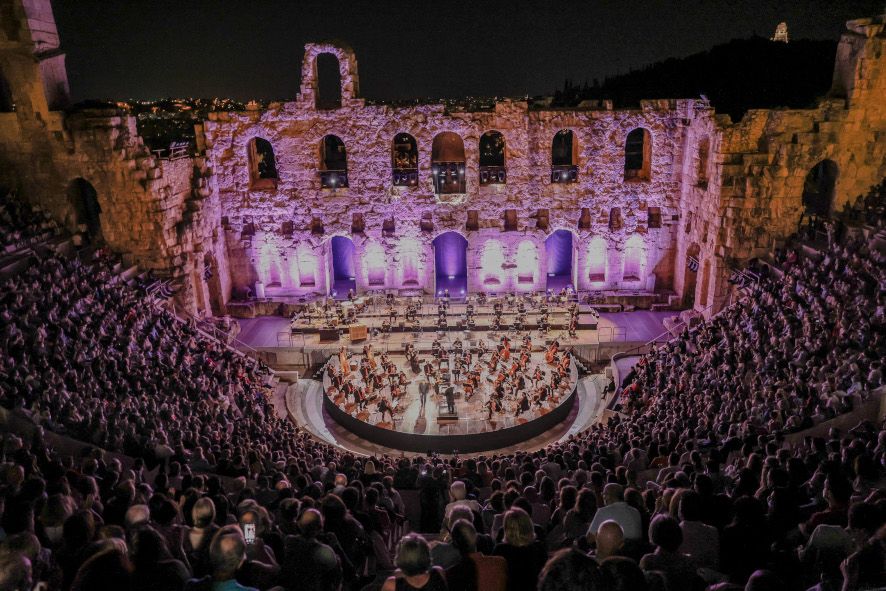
[
  {"x": 458, "y": 494},
  {"x": 617, "y": 510}
]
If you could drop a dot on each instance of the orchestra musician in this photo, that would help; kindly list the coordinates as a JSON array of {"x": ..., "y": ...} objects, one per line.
[
  {"x": 343, "y": 361},
  {"x": 384, "y": 408},
  {"x": 551, "y": 353}
]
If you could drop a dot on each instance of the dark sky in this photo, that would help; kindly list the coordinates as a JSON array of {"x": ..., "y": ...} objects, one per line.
[{"x": 405, "y": 48}]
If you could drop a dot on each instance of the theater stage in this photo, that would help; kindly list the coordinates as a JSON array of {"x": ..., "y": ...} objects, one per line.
[{"x": 615, "y": 332}]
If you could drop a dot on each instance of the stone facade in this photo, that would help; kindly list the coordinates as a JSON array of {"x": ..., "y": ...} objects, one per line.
[{"x": 714, "y": 191}]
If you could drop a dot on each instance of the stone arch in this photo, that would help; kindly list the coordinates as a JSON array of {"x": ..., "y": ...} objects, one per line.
[
  {"x": 819, "y": 186},
  {"x": 634, "y": 264},
  {"x": 374, "y": 266},
  {"x": 638, "y": 155},
  {"x": 262, "y": 164},
  {"x": 7, "y": 103},
  {"x": 526, "y": 261},
  {"x": 492, "y": 260},
  {"x": 448, "y": 163},
  {"x": 598, "y": 251},
  {"x": 328, "y": 93},
  {"x": 347, "y": 67},
  {"x": 83, "y": 199},
  {"x": 404, "y": 160}
]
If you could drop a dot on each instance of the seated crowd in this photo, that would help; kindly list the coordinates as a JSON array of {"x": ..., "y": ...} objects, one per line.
[
  {"x": 21, "y": 224},
  {"x": 189, "y": 480}
]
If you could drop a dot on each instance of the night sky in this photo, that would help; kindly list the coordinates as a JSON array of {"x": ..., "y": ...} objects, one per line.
[{"x": 405, "y": 48}]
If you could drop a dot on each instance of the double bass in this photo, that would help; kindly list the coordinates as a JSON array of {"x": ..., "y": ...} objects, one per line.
[{"x": 551, "y": 353}]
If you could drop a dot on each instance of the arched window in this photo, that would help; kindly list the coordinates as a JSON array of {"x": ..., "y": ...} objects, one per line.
[
  {"x": 262, "y": 164},
  {"x": 818, "y": 189},
  {"x": 527, "y": 262},
  {"x": 333, "y": 163},
  {"x": 597, "y": 252},
  {"x": 448, "y": 163},
  {"x": 638, "y": 155},
  {"x": 328, "y": 76},
  {"x": 564, "y": 157},
  {"x": 404, "y": 160},
  {"x": 635, "y": 259},
  {"x": 491, "y": 262},
  {"x": 492, "y": 158},
  {"x": 704, "y": 153}
]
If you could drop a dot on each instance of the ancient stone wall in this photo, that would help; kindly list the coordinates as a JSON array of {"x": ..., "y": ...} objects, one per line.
[
  {"x": 717, "y": 192},
  {"x": 270, "y": 236}
]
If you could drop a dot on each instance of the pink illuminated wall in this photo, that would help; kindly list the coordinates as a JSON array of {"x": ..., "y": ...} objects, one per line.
[
  {"x": 527, "y": 264},
  {"x": 596, "y": 262},
  {"x": 634, "y": 259},
  {"x": 491, "y": 265}
]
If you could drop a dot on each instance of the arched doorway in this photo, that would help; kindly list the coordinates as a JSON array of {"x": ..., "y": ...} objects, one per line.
[
  {"x": 558, "y": 253},
  {"x": 818, "y": 190},
  {"x": 87, "y": 212},
  {"x": 343, "y": 275},
  {"x": 451, "y": 264},
  {"x": 691, "y": 275}
]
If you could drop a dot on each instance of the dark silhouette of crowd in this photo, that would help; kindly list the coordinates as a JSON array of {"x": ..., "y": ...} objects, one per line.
[{"x": 147, "y": 455}]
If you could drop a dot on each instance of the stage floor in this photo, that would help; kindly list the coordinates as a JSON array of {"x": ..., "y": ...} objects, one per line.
[
  {"x": 411, "y": 416},
  {"x": 268, "y": 332}
]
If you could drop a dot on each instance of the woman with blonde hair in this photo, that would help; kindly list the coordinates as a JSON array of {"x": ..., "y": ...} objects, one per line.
[{"x": 525, "y": 555}]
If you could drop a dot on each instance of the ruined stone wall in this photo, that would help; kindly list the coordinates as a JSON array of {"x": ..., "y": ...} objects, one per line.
[
  {"x": 156, "y": 212},
  {"x": 723, "y": 191},
  {"x": 754, "y": 198},
  {"x": 269, "y": 230}
]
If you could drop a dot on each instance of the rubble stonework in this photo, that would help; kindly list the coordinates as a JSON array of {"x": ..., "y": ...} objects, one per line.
[{"x": 718, "y": 192}]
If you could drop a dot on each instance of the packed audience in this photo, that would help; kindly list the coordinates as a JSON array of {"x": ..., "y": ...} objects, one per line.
[
  {"x": 20, "y": 224},
  {"x": 154, "y": 459}
]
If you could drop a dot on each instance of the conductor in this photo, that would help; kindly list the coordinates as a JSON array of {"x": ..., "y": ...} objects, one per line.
[{"x": 450, "y": 399}]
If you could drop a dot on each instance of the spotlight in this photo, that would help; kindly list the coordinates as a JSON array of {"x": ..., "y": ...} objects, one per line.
[{"x": 451, "y": 276}]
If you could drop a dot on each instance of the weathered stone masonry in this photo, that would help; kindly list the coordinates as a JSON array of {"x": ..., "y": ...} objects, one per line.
[{"x": 716, "y": 191}]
